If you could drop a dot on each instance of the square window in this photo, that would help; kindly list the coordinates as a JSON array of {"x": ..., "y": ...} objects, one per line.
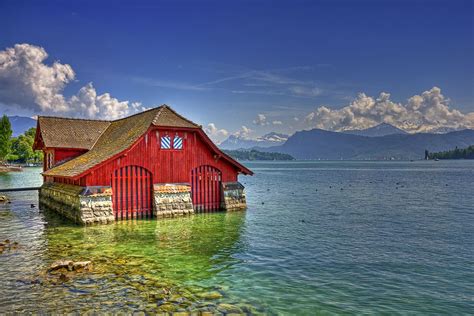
[
  {"x": 165, "y": 142},
  {"x": 178, "y": 142}
]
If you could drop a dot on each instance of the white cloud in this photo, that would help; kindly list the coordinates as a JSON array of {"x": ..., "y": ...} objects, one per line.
[
  {"x": 138, "y": 107},
  {"x": 27, "y": 82},
  {"x": 244, "y": 132},
  {"x": 427, "y": 112},
  {"x": 296, "y": 119},
  {"x": 261, "y": 120},
  {"x": 303, "y": 91},
  {"x": 277, "y": 122},
  {"x": 215, "y": 133}
]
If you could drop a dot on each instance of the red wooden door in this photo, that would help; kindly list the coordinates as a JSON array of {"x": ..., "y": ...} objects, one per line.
[
  {"x": 132, "y": 192},
  {"x": 206, "y": 188}
]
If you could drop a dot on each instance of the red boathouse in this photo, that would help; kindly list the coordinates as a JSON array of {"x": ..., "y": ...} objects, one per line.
[{"x": 155, "y": 163}]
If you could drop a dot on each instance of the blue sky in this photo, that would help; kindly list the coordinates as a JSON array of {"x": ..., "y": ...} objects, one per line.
[{"x": 225, "y": 62}]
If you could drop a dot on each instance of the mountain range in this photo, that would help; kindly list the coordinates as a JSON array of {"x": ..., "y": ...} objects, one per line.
[
  {"x": 383, "y": 129},
  {"x": 383, "y": 141},
  {"x": 237, "y": 142},
  {"x": 322, "y": 144}
]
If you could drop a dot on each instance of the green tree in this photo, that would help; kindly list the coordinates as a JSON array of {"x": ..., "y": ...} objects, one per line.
[
  {"x": 457, "y": 153},
  {"x": 5, "y": 137},
  {"x": 22, "y": 148}
]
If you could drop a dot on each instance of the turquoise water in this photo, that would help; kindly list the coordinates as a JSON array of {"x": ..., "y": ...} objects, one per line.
[{"x": 318, "y": 237}]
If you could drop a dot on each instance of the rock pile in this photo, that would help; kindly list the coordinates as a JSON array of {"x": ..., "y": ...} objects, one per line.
[
  {"x": 6, "y": 245},
  {"x": 70, "y": 265}
]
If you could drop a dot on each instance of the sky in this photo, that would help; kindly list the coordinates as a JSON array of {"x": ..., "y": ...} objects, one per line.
[{"x": 243, "y": 67}]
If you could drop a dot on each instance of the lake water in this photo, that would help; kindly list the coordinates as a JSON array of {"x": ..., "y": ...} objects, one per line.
[{"x": 318, "y": 237}]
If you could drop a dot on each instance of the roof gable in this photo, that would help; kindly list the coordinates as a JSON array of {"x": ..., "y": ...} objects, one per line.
[
  {"x": 58, "y": 132},
  {"x": 169, "y": 118},
  {"x": 119, "y": 136}
]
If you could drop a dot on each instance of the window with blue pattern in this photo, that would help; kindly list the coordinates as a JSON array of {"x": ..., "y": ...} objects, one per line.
[
  {"x": 165, "y": 142},
  {"x": 177, "y": 142}
]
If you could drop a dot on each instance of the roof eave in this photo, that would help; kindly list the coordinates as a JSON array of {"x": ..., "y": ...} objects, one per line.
[{"x": 240, "y": 167}]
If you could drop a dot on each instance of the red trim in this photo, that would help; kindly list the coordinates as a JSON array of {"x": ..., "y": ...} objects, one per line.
[
  {"x": 38, "y": 143},
  {"x": 240, "y": 167}
]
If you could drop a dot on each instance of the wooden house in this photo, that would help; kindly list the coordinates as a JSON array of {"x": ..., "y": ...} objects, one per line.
[{"x": 155, "y": 163}]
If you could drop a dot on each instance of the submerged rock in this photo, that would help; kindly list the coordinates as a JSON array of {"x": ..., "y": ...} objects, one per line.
[
  {"x": 63, "y": 277},
  {"x": 70, "y": 265},
  {"x": 211, "y": 295},
  {"x": 60, "y": 264},
  {"x": 86, "y": 265},
  {"x": 228, "y": 308},
  {"x": 7, "y": 245}
]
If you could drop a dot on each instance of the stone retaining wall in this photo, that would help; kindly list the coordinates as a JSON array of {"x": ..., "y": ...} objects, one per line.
[
  {"x": 82, "y": 205},
  {"x": 96, "y": 205},
  {"x": 170, "y": 200},
  {"x": 89, "y": 205},
  {"x": 233, "y": 196}
]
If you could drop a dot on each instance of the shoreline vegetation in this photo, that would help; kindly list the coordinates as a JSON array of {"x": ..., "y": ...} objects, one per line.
[
  {"x": 253, "y": 154},
  {"x": 17, "y": 151},
  {"x": 457, "y": 153}
]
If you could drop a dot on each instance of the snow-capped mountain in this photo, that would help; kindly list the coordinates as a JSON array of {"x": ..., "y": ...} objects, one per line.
[
  {"x": 267, "y": 140},
  {"x": 377, "y": 131}
]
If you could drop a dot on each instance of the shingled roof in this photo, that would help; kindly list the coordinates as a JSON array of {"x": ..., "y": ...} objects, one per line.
[
  {"x": 118, "y": 136},
  {"x": 58, "y": 132}
]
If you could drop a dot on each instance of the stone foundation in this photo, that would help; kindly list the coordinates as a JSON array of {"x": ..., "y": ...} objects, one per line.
[
  {"x": 83, "y": 205},
  {"x": 96, "y": 205},
  {"x": 233, "y": 196},
  {"x": 170, "y": 200},
  {"x": 90, "y": 205}
]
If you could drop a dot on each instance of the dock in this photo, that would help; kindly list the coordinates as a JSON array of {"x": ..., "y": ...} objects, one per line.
[{"x": 20, "y": 189}]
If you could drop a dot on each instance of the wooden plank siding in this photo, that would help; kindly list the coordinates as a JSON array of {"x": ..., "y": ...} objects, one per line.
[
  {"x": 64, "y": 154},
  {"x": 166, "y": 165},
  {"x": 132, "y": 188}
]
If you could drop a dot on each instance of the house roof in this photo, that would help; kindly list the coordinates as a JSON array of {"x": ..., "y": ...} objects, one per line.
[
  {"x": 61, "y": 132},
  {"x": 119, "y": 135}
]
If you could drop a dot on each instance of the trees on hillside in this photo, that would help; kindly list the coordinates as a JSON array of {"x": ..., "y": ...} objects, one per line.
[
  {"x": 457, "y": 153},
  {"x": 5, "y": 138},
  {"x": 17, "y": 149},
  {"x": 22, "y": 148}
]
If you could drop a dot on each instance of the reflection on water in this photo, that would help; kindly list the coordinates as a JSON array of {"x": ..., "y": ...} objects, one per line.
[
  {"x": 150, "y": 265},
  {"x": 336, "y": 237}
]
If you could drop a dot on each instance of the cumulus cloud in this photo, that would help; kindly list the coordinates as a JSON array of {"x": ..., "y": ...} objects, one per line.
[
  {"x": 277, "y": 122},
  {"x": 261, "y": 120},
  {"x": 215, "y": 133},
  {"x": 428, "y": 112},
  {"x": 27, "y": 82},
  {"x": 244, "y": 132}
]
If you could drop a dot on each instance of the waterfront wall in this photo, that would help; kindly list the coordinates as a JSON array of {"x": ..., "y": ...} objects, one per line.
[
  {"x": 93, "y": 205},
  {"x": 83, "y": 205},
  {"x": 170, "y": 200},
  {"x": 233, "y": 196}
]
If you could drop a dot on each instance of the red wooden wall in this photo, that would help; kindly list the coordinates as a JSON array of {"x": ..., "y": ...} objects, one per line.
[
  {"x": 62, "y": 154},
  {"x": 166, "y": 165}
]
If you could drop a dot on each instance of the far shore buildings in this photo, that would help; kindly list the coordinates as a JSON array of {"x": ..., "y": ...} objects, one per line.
[{"x": 152, "y": 164}]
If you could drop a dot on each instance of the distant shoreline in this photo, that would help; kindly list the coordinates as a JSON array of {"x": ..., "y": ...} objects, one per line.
[{"x": 4, "y": 169}]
